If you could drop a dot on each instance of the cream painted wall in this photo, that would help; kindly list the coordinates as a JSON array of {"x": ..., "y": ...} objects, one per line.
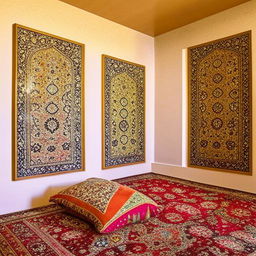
[
  {"x": 100, "y": 36},
  {"x": 170, "y": 103}
]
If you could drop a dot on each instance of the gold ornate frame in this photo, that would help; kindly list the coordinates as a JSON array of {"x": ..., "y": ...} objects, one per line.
[
  {"x": 103, "y": 112},
  {"x": 249, "y": 173},
  {"x": 14, "y": 105}
]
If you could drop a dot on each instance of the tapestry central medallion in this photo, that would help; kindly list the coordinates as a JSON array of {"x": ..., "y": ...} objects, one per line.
[
  {"x": 50, "y": 95},
  {"x": 123, "y": 109}
]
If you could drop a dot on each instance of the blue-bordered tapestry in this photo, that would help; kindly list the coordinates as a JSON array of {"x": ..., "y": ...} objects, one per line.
[
  {"x": 220, "y": 104},
  {"x": 48, "y": 104},
  {"x": 123, "y": 112}
]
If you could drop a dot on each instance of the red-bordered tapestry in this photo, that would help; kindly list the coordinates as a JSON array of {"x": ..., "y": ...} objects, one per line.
[{"x": 220, "y": 104}]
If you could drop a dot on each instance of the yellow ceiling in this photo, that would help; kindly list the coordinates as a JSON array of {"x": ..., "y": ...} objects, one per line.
[{"x": 154, "y": 17}]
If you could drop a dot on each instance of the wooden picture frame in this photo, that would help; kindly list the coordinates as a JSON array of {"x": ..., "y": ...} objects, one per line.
[
  {"x": 116, "y": 73},
  {"x": 229, "y": 120},
  {"x": 48, "y": 104}
]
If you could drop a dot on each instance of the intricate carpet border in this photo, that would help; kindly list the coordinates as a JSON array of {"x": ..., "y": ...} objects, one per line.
[{"x": 29, "y": 213}]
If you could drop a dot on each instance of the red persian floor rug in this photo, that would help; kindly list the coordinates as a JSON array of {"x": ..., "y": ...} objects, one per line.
[{"x": 197, "y": 220}]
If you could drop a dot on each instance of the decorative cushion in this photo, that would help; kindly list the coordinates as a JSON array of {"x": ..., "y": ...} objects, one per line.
[{"x": 107, "y": 204}]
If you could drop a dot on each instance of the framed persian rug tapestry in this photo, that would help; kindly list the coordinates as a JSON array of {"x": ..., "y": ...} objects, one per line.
[
  {"x": 123, "y": 113},
  {"x": 48, "y": 104},
  {"x": 220, "y": 105}
]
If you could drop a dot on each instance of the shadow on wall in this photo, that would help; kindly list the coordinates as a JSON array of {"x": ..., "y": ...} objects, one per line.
[{"x": 43, "y": 199}]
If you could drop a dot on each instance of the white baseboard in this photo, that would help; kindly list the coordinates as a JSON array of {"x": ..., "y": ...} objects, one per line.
[{"x": 222, "y": 179}]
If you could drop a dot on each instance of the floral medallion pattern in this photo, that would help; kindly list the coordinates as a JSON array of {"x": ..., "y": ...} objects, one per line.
[
  {"x": 199, "y": 220},
  {"x": 123, "y": 108},
  {"x": 48, "y": 125},
  {"x": 220, "y": 104}
]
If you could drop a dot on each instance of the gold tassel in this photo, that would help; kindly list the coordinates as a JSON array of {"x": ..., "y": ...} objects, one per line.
[
  {"x": 147, "y": 214},
  {"x": 138, "y": 217},
  {"x": 129, "y": 219},
  {"x": 134, "y": 218}
]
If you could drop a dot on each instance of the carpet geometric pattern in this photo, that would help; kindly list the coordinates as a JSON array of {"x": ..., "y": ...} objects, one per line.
[
  {"x": 220, "y": 104},
  {"x": 196, "y": 220}
]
